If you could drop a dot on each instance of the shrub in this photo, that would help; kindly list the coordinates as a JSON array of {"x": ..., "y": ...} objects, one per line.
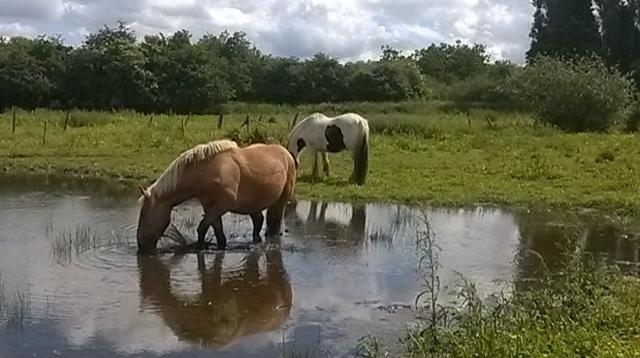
[
  {"x": 575, "y": 95},
  {"x": 481, "y": 88},
  {"x": 632, "y": 123}
]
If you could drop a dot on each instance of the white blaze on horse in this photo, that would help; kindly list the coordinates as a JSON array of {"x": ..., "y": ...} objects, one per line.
[
  {"x": 320, "y": 134},
  {"x": 224, "y": 178}
]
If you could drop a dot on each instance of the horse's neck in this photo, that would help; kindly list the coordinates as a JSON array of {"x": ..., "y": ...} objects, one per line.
[{"x": 176, "y": 196}]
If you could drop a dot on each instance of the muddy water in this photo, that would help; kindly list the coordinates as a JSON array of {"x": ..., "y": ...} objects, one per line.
[{"x": 71, "y": 284}]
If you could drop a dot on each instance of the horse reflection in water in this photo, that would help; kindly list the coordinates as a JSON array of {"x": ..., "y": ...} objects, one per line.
[
  {"x": 317, "y": 223},
  {"x": 230, "y": 305}
]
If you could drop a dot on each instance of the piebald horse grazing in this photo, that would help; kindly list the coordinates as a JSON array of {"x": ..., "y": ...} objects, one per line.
[
  {"x": 321, "y": 134},
  {"x": 224, "y": 178}
]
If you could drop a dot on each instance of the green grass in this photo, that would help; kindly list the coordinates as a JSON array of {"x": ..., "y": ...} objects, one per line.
[{"x": 420, "y": 153}]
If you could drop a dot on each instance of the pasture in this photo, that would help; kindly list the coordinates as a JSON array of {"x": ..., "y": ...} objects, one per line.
[{"x": 420, "y": 153}]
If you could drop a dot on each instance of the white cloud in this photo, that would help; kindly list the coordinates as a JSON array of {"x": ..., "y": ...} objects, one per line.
[
  {"x": 15, "y": 29},
  {"x": 348, "y": 29}
]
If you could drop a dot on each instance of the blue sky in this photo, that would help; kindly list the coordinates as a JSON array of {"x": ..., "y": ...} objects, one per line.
[{"x": 347, "y": 29}]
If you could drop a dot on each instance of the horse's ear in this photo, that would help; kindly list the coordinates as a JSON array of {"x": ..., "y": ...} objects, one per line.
[{"x": 143, "y": 191}]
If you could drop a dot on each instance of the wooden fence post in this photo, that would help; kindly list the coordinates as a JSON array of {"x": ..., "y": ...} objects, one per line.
[
  {"x": 44, "y": 133},
  {"x": 295, "y": 119},
  {"x": 220, "y": 118},
  {"x": 66, "y": 121},
  {"x": 246, "y": 123},
  {"x": 13, "y": 122}
]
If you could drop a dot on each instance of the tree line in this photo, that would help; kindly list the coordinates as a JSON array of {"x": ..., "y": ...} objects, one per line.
[
  {"x": 177, "y": 73},
  {"x": 609, "y": 29},
  {"x": 180, "y": 74}
]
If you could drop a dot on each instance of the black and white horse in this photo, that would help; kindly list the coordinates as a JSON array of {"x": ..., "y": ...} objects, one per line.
[{"x": 320, "y": 134}]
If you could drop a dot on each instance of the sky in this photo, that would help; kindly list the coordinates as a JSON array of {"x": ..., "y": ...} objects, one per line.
[{"x": 346, "y": 29}]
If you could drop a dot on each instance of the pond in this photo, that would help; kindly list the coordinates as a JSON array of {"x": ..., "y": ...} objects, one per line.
[{"x": 71, "y": 283}]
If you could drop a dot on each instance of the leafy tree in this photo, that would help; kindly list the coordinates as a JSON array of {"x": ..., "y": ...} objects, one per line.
[
  {"x": 280, "y": 81},
  {"x": 50, "y": 54},
  {"x": 620, "y": 32},
  {"x": 23, "y": 79},
  {"x": 576, "y": 94},
  {"x": 451, "y": 63},
  {"x": 188, "y": 79},
  {"x": 116, "y": 72},
  {"x": 323, "y": 79},
  {"x": 385, "y": 81},
  {"x": 564, "y": 28}
]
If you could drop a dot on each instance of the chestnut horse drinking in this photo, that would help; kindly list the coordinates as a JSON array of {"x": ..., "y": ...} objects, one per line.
[{"x": 224, "y": 178}]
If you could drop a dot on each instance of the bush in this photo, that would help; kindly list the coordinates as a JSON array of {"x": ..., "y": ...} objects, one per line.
[
  {"x": 574, "y": 95},
  {"x": 633, "y": 120},
  {"x": 481, "y": 88}
]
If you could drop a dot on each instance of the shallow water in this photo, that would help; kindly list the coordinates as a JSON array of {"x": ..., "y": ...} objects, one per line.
[{"x": 71, "y": 284}]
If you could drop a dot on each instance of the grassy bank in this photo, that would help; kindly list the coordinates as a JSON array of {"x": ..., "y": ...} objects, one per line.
[
  {"x": 581, "y": 308},
  {"x": 425, "y": 153},
  {"x": 583, "y": 313}
]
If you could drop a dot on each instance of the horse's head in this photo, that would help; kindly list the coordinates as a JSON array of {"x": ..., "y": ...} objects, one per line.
[
  {"x": 155, "y": 216},
  {"x": 295, "y": 146}
]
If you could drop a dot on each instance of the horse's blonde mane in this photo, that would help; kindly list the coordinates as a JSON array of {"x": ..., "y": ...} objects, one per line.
[{"x": 169, "y": 179}]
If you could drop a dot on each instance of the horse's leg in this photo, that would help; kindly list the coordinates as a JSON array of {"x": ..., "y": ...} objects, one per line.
[
  {"x": 203, "y": 227},
  {"x": 354, "y": 171},
  {"x": 213, "y": 211},
  {"x": 218, "y": 230},
  {"x": 325, "y": 163},
  {"x": 211, "y": 218},
  {"x": 275, "y": 215},
  {"x": 258, "y": 220},
  {"x": 314, "y": 170}
]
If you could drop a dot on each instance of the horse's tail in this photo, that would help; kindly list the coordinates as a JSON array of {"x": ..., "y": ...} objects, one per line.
[
  {"x": 292, "y": 171},
  {"x": 361, "y": 155}
]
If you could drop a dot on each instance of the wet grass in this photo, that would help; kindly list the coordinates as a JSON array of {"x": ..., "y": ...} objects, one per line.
[
  {"x": 294, "y": 348},
  {"x": 69, "y": 243},
  {"x": 419, "y": 154},
  {"x": 585, "y": 308},
  {"x": 15, "y": 310},
  {"x": 18, "y": 311}
]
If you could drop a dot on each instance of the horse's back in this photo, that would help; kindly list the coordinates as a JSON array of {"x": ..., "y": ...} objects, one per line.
[
  {"x": 265, "y": 171},
  {"x": 353, "y": 127}
]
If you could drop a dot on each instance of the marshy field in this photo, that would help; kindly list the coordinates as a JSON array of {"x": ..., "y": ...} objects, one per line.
[{"x": 480, "y": 232}]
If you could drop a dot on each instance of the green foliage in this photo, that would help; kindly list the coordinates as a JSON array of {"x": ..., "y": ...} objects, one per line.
[
  {"x": 564, "y": 28},
  {"x": 176, "y": 74},
  {"x": 28, "y": 70},
  {"x": 483, "y": 88},
  {"x": 369, "y": 347},
  {"x": 388, "y": 80},
  {"x": 633, "y": 119},
  {"x": 575, "y": 95},
  {"x": 577, "y": 28},
  {"x": 450, "y": 63}
]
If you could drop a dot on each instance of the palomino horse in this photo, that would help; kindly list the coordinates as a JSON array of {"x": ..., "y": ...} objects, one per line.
[
  {"x": 230, "y": 304},
  {"x": 321, "y": 134},
  {"x": 224, "y": 178}
]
